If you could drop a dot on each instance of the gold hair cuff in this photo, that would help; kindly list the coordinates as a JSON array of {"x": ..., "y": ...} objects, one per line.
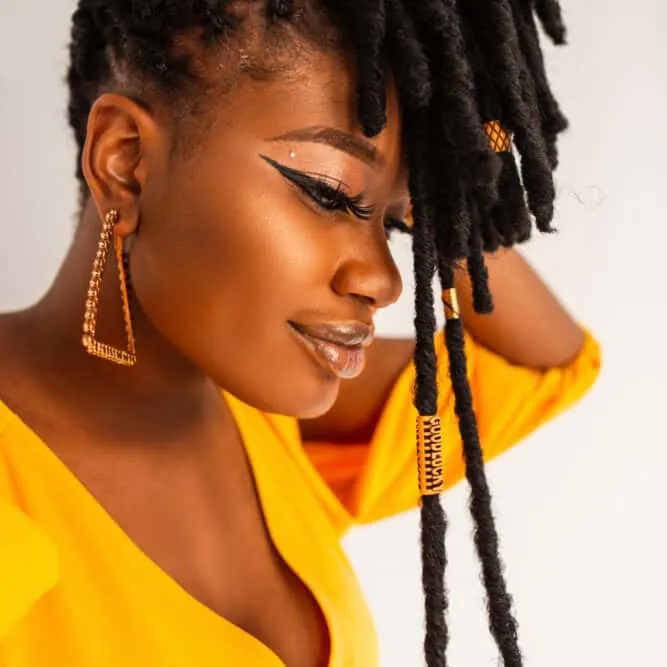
[
  {"x": 429, "y": 456},
  {"x": 451, "y": 302},
  {"x": 500, "y": 139}
]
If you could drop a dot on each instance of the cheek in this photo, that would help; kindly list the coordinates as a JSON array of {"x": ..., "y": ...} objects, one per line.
[
  {"x": 235, "y": 251},
  {"x": 219, "y": 273}
]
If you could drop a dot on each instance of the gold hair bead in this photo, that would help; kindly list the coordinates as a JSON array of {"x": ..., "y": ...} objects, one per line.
[
  {"x": 500, "y": 140},
  {"x": 450, "y": 300},
  {"x": 429, "y": 456}
]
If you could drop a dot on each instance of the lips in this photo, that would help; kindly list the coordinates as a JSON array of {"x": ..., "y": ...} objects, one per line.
[{"x": 338, "y": 348}]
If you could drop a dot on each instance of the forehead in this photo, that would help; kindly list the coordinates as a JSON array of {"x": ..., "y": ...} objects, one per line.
[{"x": 314, "y": 90}]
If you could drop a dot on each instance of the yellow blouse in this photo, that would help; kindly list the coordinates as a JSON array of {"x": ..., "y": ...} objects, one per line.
[{"x": 75, "y": 591}]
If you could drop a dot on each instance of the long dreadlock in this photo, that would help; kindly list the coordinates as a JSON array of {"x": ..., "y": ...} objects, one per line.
[{"x": 458, "y": 64}]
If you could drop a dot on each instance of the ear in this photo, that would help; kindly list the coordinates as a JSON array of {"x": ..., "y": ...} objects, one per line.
[{"x": 122, "y": 136}]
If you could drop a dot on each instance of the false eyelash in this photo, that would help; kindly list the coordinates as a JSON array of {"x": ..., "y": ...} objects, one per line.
[
  {"x": 316, "y": 187},
  {"x": 342, "y": 202}
]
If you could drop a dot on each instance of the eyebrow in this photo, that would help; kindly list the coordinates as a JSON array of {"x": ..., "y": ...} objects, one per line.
[{"x": 343, "y": 141}]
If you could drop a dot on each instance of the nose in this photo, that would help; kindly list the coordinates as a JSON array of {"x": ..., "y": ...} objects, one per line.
[{"x": 368, "y": 272}]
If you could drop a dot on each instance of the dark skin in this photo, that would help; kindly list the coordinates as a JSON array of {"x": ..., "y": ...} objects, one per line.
[{"x": 225, "y": 252}]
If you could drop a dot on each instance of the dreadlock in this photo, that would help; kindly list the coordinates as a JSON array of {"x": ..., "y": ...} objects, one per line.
[{"x": 458, "y": 65}]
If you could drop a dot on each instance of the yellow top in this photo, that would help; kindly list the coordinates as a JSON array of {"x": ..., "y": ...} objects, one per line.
[{"x": 75, "y": 591}]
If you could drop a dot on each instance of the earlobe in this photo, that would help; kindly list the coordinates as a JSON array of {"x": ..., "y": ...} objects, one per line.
[{"x": 113, "y": 158}]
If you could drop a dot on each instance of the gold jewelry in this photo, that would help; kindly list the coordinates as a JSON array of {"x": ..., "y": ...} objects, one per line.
[
  {"x": 451, "y": 300},
  {"x": 500, "y": 140},
  {"x": 91, "y": 344},
  {"x": 429, "y": 456}
]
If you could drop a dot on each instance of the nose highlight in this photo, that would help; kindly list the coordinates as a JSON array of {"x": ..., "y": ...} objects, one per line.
[{"x": 373, "y": 277}]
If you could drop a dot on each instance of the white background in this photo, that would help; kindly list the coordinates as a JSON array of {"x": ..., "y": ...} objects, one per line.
[{"x": 581, "y": 506}]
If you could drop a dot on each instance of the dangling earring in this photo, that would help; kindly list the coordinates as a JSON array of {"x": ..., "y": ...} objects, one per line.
[{"x": 91, "y": 344}]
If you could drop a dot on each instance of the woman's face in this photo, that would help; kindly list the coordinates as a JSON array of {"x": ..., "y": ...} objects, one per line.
[{"x": 269, "y": 238}]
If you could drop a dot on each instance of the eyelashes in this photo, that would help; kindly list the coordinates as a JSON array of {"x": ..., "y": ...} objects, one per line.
[
  {"x": 326, "y": 192},
  {"x": 331, "y": 197},
  {"x": 397, "y": 225}
]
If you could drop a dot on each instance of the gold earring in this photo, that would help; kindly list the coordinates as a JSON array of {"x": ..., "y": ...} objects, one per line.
[{"x": 126, "y": 357}]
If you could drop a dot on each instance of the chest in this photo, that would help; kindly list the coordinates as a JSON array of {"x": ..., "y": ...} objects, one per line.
[
  {"x": 172, "y": 566},
  {"x": 237, "y": 572},
  {"x": 210, "y": 538}
]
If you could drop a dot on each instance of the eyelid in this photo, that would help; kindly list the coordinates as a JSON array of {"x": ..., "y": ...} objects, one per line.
[
  {"x": 353, "y": 203},
  {"x": 313, "y": 176}
]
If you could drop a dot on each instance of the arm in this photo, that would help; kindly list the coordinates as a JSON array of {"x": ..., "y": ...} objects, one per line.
[{"x": 528, "y": 327}]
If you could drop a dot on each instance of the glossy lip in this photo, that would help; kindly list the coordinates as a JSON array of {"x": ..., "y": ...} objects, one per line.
[
  {"x": 339, "y": 347},
  {"x": 349, "y": 334}
]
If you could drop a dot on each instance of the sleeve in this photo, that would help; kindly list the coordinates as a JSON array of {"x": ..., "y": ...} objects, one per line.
[{"x": 378, "y": 479}]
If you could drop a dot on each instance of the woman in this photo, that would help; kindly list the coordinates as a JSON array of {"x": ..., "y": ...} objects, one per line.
[{"x": 246, "y": 160}]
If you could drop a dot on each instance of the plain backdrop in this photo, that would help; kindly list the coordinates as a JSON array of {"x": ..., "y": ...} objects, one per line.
[{"x": 581, "y": 506}]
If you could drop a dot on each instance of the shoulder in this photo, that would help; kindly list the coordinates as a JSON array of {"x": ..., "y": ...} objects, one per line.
[
  {"x": 28, "y": 557},
  {"x": 28, "y": 565}
]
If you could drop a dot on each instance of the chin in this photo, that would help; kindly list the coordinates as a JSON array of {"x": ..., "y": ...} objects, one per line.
[
  {"x": 308, "y": 401},
  {"x": 303, "y": 396},
  {"x": 313, "y": 411}
]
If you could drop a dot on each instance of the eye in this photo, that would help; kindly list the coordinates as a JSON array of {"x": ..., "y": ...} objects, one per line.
[
  {"x": 328, "y": 197},
  {"x": 334, "y": 199},
  {"x": 396, "y": 225},
  {"x": 326, "y": 192}
]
